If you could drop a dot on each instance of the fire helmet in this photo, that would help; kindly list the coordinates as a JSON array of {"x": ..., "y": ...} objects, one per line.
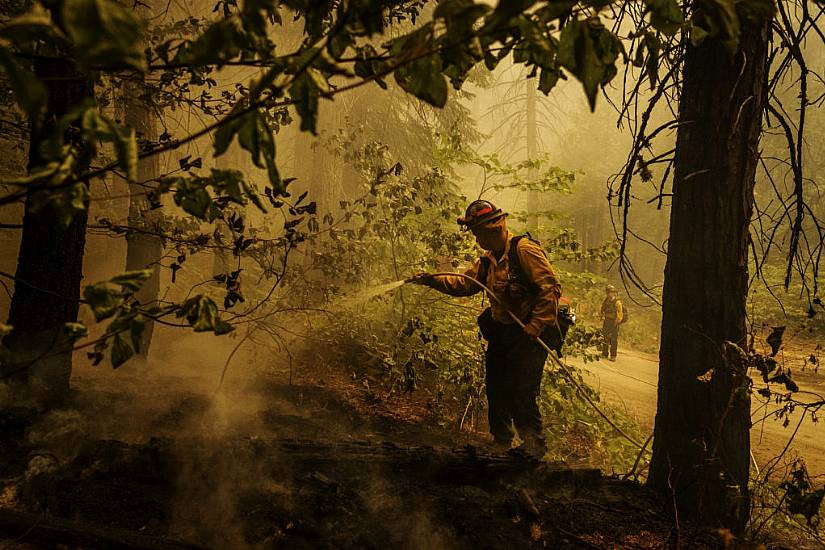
[{"x": 480, "y": 213}]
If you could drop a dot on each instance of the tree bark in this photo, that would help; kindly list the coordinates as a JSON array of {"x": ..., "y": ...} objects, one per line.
[
  {"x": 50, "y": 262},
  {"x": 143, "y": 251},
  {"x": 531, "y": 138},
  {"x": 702, "y": 434},
  {"x": 222, "y": 261}
]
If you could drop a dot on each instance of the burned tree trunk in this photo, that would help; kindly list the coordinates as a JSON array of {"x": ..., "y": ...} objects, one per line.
[
  {"x": 702, "y": 441},
  {"x": 50, "y": 262}
]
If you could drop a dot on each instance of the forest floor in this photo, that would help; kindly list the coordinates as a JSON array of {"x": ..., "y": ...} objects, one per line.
[{"x": 165, "y": 461}]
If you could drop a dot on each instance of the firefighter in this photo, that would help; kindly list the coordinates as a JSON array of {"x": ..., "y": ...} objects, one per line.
[
  {"x": 612, "y": 317},
  {"x": 516, "y": 269}
]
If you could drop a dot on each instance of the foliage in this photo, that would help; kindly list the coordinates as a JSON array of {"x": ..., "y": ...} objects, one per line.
[
  {"x": 768, "y": 305},
  {"x": 786, "y": 505},
  {"x": 460, "y": 35},
  {"x": 575, "y": 432},
  {"x": 411, "y": 340},
  {"x": 801, "y": 496},
  {"x": 340, "y": 46},
  {"x": 114, "y": 299},
  {"x": 305, "y": 53}
]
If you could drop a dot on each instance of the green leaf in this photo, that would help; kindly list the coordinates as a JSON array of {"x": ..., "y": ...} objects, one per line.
[
  {"x": 510, "y": 8},
  {"x": 136, "y": 328},
  {"x": 226, "y": 131},
  {"x": 254, "y": 135},
  {"x": 460, "y": 49},
  {"x": 318, "y": 78},
  {"x": 29, "y": 92},
  {"x": 222, "y": 327},
  {"x": 653, "y": 46},
  {"x": 32, "y": 26},
  {"x": 548, "y": 79},
  {"x": 577, "y": 53},
  {"x": 697, "y": 35},
  {"x": 202, "y": 314},
  {"x": 98, "y": 128},
  {"x": 231, "y": 184},
  {"x": 195, "y": 200},
  {"x": 339, "y": 43},
  {"x": 538, "y": 46},
  {"x": 589, "y": 51},
  {"x": 554, "y": 10},
  {"x": 666, "y": 15},
  {"x": 218, "y": 44},
  {"x": 368, "y": 68},
  {"x": 104, "y": 32},
  {"x": 75, "y": 331},
  {"x": 64, "y": 202},
  {"x": 305, "y": 93},
  {"x": 419, "y": 72},
  {"x": 228, "y": 183},
  {"x": 716, "y": 19},
  {"x": 132, "y": 280},
  {"x": 97, "y": 355},
  {"x": 121, "y": 351},
  {"x": 103, "y": 300}
]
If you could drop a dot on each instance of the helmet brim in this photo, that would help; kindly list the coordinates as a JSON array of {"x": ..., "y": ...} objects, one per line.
[{"x": 475, "y": 223}]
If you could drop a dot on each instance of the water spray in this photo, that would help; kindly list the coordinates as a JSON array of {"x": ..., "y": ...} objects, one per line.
[{"x": 551, "y": 353}]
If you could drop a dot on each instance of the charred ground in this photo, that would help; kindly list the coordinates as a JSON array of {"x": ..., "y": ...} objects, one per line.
[{"x": 315, "y": 464}]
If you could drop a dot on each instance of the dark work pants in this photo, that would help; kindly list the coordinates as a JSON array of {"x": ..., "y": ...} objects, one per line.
[
  {"x": 610, "y": 331},
  {"x": 515, "y": 363}
]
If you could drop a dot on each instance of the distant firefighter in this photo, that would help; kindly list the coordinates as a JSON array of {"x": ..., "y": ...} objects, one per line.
[{"x": 613, "y": 315}]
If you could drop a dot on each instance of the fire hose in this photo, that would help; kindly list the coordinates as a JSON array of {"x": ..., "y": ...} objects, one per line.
[{"x": 551, "y": 353}]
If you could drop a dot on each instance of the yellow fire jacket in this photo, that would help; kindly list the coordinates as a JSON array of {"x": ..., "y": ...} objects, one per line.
[
  {"x": 613, "y": 310},
  {"x": 537, "y": 309}
]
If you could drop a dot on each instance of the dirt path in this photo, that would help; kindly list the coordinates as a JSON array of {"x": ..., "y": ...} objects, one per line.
[{"x": 630, "y": 384}]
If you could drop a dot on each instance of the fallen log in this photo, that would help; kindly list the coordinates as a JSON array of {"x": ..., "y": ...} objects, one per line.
[
  {"x": 354, "y": 458},
  {"x": 21, "y": 527}
]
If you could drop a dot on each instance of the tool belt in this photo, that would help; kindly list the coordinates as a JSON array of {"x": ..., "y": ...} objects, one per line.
[
  {"x": 491, "y": 330},
  {"x": 553, "y": 336}
]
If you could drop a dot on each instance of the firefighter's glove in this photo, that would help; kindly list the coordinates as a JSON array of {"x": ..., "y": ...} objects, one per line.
[{"x": 422, "y": 278}]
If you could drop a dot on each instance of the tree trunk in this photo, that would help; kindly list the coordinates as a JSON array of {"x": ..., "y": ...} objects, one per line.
[
  {"x": 222, "y": 261},
  {"x": 702, "y": 442},
  {"x": 531, "y": 137},
  {"x": 311, "y": 160},
  {"x": 143, "y": 251},
  {"x": 50, "y": 262}
]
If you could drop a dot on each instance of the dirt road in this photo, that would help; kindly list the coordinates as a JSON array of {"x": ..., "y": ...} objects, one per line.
[{"x": 630, "y": 384}]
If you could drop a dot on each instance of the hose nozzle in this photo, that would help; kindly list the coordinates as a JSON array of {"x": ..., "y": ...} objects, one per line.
[{"x": 419, "y": 279}]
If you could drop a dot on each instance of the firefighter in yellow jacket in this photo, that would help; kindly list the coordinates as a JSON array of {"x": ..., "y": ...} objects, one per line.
[
  {"x": 514, "y": 360},
  {"x": 612, "y": 317}
]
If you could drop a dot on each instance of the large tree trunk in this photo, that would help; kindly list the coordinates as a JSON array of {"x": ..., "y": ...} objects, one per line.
[
  {"x": 702, "y": 441},
  {"x": 50, "y": 262},
  {"x": 143, "y": 250}
]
